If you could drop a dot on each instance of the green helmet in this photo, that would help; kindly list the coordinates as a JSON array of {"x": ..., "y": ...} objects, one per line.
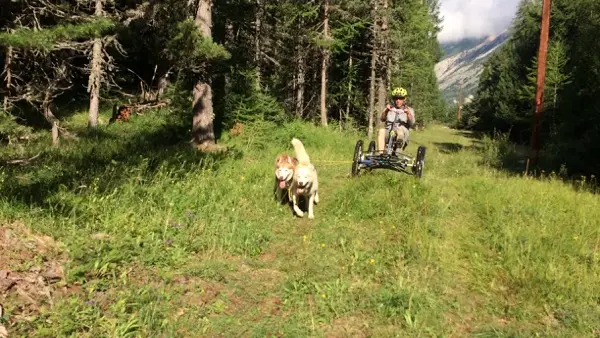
[{"x": 399, "y": 92}]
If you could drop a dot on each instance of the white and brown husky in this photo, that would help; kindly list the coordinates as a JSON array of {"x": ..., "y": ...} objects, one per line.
[
  {"x": 305, "y": 183},
  {"x": 284, "y": 174}
]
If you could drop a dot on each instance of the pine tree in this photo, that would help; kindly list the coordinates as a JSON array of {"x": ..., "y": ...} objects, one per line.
[
  {"x": 202, "y": 125},
  {"x": 42, "y": 60},
  {"x": 506, "y": 90},
  {"x": 95, "y": 72}
]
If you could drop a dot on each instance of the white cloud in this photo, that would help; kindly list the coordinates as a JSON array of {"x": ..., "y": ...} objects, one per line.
[{"x": 475, "y": 18}]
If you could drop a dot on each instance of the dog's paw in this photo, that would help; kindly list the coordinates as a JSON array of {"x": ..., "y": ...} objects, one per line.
[
  {"x": 311, "y": 216},
  {"x": 298, "y": 212}
]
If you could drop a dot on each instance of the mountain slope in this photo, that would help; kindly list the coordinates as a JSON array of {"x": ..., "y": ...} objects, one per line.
[
  {"x": 452, "y": 48},
  {"x": 465, "y": 65}
]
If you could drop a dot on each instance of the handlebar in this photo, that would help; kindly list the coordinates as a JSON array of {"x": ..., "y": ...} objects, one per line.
[{"x": 400, "y": 123}]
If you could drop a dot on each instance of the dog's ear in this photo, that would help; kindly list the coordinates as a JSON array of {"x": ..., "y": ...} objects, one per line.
[
  {"x": 279, "y": 159},
  {"x": 294, "y": 160}
]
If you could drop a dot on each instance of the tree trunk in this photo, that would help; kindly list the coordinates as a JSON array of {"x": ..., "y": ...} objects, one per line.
[
  {"x": 381, "y": 95},
  {"x": 301, "y": 80},
  {"x": 387, "y": 56},
  {"x": 49, "y": 116},
  {"x": 203, "y": 19},
  {"x": 374, "y": 57},
  {"x": 163, "y": 83},
  {"x": 8, "y": 77},
  {"x": 95, "y": 78},
  {"x": 325, "y": 65},
  {"x": 55, "y": 134},
  {"x": 257, "y": 40},
  {"x": 202, "y": 128},
  {"x": 202, "y": 124},
  {"x": 382, "y": 61},
  {"x": 229, "y": 43},
  {"x": 372, "y": 92},
  {"x": 388, "y": 69},
  {"x": 349, "y": 98}
]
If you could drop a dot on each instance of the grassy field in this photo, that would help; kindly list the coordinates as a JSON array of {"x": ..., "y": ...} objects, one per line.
[{"x": 127, "y": 233}]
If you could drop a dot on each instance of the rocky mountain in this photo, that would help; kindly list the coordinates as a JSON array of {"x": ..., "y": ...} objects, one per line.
[{"x": 464, "y": 61}]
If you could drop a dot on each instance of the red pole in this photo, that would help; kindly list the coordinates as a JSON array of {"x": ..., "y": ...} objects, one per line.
[{"x": 541, "y": 78}]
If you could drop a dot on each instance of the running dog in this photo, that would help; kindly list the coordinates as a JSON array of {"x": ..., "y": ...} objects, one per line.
[
  {"x": 284, "y": 174},
  {"x": 305, "y": 183}
]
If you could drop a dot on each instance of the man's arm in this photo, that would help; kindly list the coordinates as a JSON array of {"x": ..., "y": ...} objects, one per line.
[
  {"x": 411, "y": 117},
  {"x": 383, "y": 116}
]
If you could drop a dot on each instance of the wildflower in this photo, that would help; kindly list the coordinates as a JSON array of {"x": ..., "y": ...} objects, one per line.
[
  {"x": 243, "y": 178},
  {"x": 575, "y": 237},
  {"x": 322, "y": 245},
  {"x": 372, "y": 261},
  {"x": 304, "y": 238},
  {"x": 324, "y": 296}
]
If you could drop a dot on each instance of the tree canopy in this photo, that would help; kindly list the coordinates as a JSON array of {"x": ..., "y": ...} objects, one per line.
[{"x": 263, "y": 58}]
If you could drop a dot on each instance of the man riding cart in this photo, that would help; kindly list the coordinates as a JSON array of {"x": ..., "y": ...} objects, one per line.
[{"x": 392, "y": 139}]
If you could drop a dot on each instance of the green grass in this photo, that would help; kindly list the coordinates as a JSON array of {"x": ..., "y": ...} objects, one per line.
[{"x": 162, "y": 241}]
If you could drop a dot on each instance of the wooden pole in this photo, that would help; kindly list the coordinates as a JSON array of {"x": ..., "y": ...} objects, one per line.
[
  {"x": 541, "y": 78},
  {"x": 325, "y": 64}
]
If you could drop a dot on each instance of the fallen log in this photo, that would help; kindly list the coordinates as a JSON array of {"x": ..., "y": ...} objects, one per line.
[
  {"x": 123, "y": 112},
  {"x": 22, "y": 161}
]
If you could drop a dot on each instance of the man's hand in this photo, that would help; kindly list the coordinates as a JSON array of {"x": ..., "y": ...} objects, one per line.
[{"x": 383, "y": 116}]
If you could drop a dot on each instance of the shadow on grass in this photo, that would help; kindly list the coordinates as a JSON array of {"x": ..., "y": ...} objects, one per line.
[
  {"x": 474, "y": 135},
  {"x": 451, "y": 148},
  {"x": 500, "y": 153},
  {"x": 110, "y": 156},
  {"x": 448, "y": 148}
]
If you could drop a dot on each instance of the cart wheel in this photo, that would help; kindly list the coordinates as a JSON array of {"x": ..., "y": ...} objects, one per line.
[
  {"x": 419, "y": 161},
  {"x": 357, "y": 157},
  {"x": 372, "y": 147}
]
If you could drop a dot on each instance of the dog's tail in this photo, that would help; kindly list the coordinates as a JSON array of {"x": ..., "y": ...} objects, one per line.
[{"x": 301, "y": 153}]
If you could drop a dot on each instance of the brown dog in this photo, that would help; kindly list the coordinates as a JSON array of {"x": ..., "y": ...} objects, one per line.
[{"x": 284, "y": 174}]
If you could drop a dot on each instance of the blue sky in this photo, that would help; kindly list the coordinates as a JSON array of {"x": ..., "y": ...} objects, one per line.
[{"x": 475, "y": 18}]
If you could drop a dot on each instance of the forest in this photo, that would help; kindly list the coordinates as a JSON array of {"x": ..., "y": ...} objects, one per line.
[
  {"x": 215, "y": 63},
  {"x": 570, "y": 132},
  {"x": 137, "y": 148}
]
